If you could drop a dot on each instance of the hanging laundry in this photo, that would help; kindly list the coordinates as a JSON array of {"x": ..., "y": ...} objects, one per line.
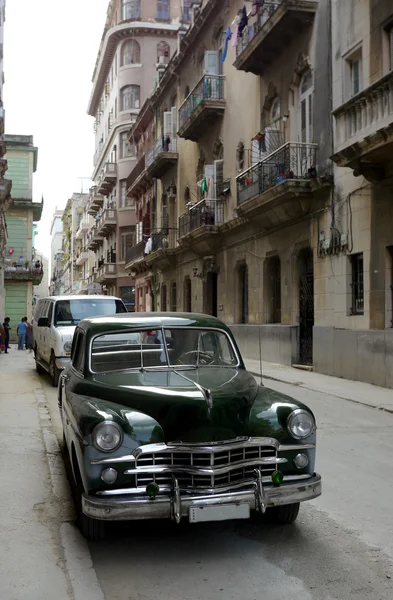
[
  {"x": 204, "y": 186},
  {"x": 228, "y": 36},
  {"x": 243, "y": 20},
  {"x": 235, "y": 36},
  {"x": 167, "y": 143}
]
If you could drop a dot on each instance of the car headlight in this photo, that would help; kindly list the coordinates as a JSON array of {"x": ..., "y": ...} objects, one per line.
[
  {"x": 107, "y": 437},
  {"x": 67, "y": 347},
  {"x": 300, "y": 424}
]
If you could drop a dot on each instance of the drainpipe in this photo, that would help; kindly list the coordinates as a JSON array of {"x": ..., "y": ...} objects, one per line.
[{"x": 155, "y": 222}]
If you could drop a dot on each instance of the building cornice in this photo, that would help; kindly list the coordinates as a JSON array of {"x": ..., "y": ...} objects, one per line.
[{"x": 112, "y": 38}]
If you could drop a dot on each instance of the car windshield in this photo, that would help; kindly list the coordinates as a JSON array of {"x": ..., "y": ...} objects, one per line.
[
  {"x": 183, "y": 348},
  {"x": 70, "y": 312}
]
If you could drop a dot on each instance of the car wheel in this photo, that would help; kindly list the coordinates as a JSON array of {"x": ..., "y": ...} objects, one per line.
[
  {"x": 92, "y": 529},
  {"x": 284, "y": 515},
  {"x": 54, "y": 371}
]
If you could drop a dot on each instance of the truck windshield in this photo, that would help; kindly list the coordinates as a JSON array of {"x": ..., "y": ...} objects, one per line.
[{"x": 70, "y": 312}]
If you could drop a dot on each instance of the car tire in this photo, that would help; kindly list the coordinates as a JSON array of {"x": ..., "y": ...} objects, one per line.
[
  {"x": 284, "y": 515},
  {"x": 54, "y": 371},
  {"x": 92, "y": 529}
]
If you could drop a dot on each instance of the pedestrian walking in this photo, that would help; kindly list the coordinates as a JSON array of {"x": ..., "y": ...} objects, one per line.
[
  {"x": 7, "y": 327},
  {"x": 29, "y": 337},
  {"x": 21, "y": 332}
]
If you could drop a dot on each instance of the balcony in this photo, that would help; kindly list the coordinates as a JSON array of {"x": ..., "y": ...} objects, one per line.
[
  {"x": 81, "y": 258},
  {"x": 83, "y": 229},
  {"x": 107, "y": 272},
  {"x": 204, "y": 104},
  {"x": 199, "y": 227},
  {"x": 274, "y": 27},
  {"x": 94, "y": 238},
  {"x": 19, "y": 269},
  {"x": 163, "y": 249},
  {"x": 364, "y": 131},
  {"x": 135, "y": 258},
  {"x": 95, "y": 201},
  {"x": 3, "y": 166},
  {"x": 279, "y": 187},
  {"x": 161, "y": 157},
  {"x": 107, "y": 222},
  {"x": 139, "y": 179},
  {"x": 107, "y": 179}
]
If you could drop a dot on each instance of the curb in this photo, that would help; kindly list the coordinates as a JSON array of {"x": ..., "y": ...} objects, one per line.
[
  {"x": 312, "y": 389},
  {"x": 78, "y": 566}
]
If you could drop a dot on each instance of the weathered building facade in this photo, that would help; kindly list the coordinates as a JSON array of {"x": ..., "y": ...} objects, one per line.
[{"x": 137, "y": 36}]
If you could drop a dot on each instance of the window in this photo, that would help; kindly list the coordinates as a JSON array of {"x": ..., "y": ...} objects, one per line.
[
  {"x": 131, "y": 9},
  {"x": 353, "y": 73},
  {"x": 306, "y": 107},
  {"x": 78, "y": 352},
  {"x": 70, "y": 312},
  {"x": 357, "y": 284},
  {"x": 123, "y": 193},
  {"x": 273, "y": 290},
  {"x": 187, "y": 295},
  {"x": 127, "y": 241},
  {"x": 355, "y": 76},
  {"x": 125, "y": 148},
  {"x": 187, "y": 13},
  {"x": 130, "y": 96},
  {"x": 163, "y": 298},
  {"x": 163, "y": 52},
  {"x": 163, "y": 10},
  {"x": 173, "y": 297},
  {"x": 130, "y": 53}
]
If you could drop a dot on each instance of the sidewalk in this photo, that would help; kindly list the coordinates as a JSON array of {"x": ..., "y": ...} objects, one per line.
[
  {"x": 354, "y": 391},
  {"x": 42, "y": 555}
]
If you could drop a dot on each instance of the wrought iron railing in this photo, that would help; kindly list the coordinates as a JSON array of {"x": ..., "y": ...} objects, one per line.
[
  {"x": 293, "y": 160},
  {"x": 265, "y": 12},
  {"x": 210, "y": 87},
  {"x": 164, "y": 239},
  {"x": 206, "y": 212},
  {"x": 136, "y": 252},
  {"x": 161, "y": 146}
]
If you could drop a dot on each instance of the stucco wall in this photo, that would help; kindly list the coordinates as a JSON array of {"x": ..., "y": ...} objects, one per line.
[{"x": 276, "y": 343}]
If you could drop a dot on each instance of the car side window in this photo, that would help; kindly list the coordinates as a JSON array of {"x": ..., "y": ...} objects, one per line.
[
  {"x": 78, "y": 356},
  {"x": 50, "y": 312},
  {"x": 44, "y": 310},
  {"x": 37, "y": 311}
]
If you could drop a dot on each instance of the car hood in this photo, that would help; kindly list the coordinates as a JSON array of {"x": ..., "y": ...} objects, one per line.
[
  {"x": 66, "y": 332},
  {"x": 204, "y": 404}
]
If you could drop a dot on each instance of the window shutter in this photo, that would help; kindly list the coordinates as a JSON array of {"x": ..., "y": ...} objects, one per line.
[
  {"x": 212, "y": 64},
  {"x": 174, "y": 120},
  {"x": 218, "y": 177},
  {"x": 209, "y": 175},
  {"x": 167, "y": 123}
]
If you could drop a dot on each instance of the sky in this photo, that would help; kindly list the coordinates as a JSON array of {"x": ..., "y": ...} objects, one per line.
[{"x": 49, "y": 58}]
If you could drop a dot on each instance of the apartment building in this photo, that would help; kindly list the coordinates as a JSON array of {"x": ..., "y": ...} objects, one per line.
[
  {"x": 137, "y": 36},
  {"x": 353, "y": 336},
  {"x": 239, "y": 163},
  {"x": 56, "y": 233},
  {"x": 23, "y": 267},
  {"x": 5, "y": 184}
]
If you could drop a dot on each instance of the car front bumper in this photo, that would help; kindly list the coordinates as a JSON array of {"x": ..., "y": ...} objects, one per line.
[{"x": 176, "y": 506}]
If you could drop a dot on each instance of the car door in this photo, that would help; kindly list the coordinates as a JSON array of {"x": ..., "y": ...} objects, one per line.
[{"x": 45, "y": 332}]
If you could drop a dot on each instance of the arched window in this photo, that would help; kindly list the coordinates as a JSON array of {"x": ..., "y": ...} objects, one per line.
[
  {"x": 306, "y": 107},
  {"x": 130, "y": 97},
  {"x": 163, "y": 10},
  {"x": 163, "y": 52},
  {"x": 130, "y": 53},
  {"x": 131, "y": 9}
]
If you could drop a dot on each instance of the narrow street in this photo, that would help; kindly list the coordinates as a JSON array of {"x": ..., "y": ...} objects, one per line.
[{"x": 341, "y": 547}]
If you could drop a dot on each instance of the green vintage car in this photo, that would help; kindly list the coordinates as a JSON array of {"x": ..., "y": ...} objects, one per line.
[{"x": 162, "y": 420}]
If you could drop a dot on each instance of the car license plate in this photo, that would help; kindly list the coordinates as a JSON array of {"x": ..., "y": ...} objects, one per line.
[{"x": 224, "y": 512}]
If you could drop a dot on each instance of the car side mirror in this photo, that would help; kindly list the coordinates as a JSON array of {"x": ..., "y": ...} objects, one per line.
[{"x": 43, "y": 322}]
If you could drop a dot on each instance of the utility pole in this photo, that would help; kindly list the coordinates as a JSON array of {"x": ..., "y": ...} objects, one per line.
[{"x": 82, "y": 179}]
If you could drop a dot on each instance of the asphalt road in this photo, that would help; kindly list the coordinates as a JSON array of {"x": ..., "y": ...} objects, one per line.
[{"x": 340, "y": 548}]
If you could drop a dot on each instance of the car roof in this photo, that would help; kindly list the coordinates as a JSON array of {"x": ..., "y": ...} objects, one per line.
[
  {"x": 150, "y": 320},
  {"x": 80, "y": 297}
]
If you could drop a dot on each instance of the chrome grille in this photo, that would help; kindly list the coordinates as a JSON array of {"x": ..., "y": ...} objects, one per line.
[{"x": 235, "y": 459}]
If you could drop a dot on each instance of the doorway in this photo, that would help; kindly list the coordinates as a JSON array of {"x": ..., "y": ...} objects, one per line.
[
  {"x": 243, "y": 293},
  {"x": 187, "y": 295},
  {"x": 212, "y": 294},
  {"x": 306, "y": 306}
]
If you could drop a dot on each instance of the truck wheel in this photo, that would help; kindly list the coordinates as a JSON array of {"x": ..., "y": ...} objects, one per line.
[
  {"x": 54, "y": 371},
  {"x": 284, "y": 515}
]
